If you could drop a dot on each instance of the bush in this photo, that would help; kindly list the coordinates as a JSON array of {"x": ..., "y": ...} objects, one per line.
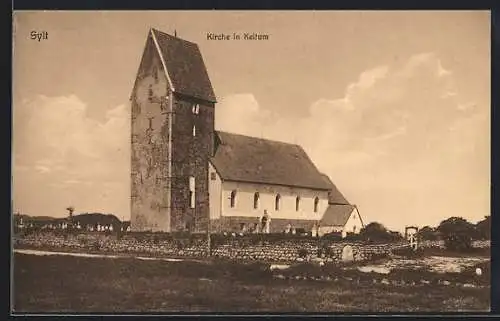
[
  {"x": 458, "y": 242},
  {"x": 332, "y": 236}
]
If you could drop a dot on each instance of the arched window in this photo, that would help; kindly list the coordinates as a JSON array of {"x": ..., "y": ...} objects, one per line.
[
  {"x": 297, "y": 203},
  {"x": 316, "y": 203},
  {"x": 256, "y": 199},
  {"x": 277, "y": 202},
  {"x": 233, "y": 199}
]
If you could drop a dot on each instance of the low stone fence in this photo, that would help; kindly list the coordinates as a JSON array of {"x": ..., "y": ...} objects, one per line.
[
  {"x": 252, "y": 247},
  {"x": 439, "y": 244},
  {"x": 256, "y": 247}
]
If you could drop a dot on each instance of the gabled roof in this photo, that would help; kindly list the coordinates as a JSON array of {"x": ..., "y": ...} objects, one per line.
[
  {"x": 334, "y": 196},
  {"x": 250, "y": 159},
  {"x": 184, "y": 66},
  {"x": 336, "y": 215}
]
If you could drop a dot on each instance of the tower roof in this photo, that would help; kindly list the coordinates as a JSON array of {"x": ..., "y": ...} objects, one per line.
[{"x": 184, "y": 66}]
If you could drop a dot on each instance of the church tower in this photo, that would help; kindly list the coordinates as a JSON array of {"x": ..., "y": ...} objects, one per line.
[{"x": 172, "y": 106}]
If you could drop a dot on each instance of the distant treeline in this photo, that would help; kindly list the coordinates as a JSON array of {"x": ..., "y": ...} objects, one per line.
[{"x": 84, "y": 220}]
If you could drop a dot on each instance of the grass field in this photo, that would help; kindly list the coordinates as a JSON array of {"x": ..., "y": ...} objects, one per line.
[{"x": 76, "y": 284}]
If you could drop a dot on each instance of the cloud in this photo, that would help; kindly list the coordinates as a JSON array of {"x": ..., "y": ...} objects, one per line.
[
  {"x": 59, "y": 149},
  {"x": 402, "y": 142}
]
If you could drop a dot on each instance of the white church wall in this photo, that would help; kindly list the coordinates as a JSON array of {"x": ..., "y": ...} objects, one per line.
[
  {"x": 215, "y": 192},
  {"x": 354, "y": 223},
  {"x": 244, "y": 201}
]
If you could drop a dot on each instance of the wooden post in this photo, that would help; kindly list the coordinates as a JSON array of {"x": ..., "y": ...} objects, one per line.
[{"x": 209, "y": 245}]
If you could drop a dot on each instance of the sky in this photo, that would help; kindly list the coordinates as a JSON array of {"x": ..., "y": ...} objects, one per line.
[{"x": 393, "y": 106}]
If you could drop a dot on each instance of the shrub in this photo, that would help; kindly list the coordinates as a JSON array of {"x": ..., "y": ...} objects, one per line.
[
  {"x": 458, "y": 242},
  {"x": 332, "y": 236},
  {"x": 457, "y": 233}
]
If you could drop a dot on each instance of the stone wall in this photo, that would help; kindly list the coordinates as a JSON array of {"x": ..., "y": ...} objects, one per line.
[
  {"x": 190, "y": 156},
  {"x": 440, "y": 244},
  {"x": 150, "y": 208},
  {"x": 252, "y": 247}
]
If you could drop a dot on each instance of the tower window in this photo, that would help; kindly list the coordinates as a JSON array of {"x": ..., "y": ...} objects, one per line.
[
  {"x": 194, "y": 130},
  {"x": 316, "y": 203},
  {"x": 277, "y": 202},
  {"x": 213, "y": 177},
  {"x": 297, "y": 203},
  {"x": 256, "y": 199},
  {"x": 191, "y": 192},
  {"x": 150, "y": 93},
  {"x": 196, "y": 109},
  {"x": 233, "y": 199}
]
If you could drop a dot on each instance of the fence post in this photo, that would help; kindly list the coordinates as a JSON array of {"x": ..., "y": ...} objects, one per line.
[{"x": 209, "y": 249}]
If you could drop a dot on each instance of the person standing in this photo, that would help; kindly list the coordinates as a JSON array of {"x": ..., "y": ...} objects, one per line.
[{"x": 265, "y": 222}]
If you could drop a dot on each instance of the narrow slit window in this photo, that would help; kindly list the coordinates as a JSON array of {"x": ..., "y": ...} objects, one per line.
[
  {"x": 194, "y": 130},
  {"x": 297, "y": 203},
  {"x": 233, "y": 199},
  {"x": 316, "y": 203},
  {"x": 195, "y": 109}
]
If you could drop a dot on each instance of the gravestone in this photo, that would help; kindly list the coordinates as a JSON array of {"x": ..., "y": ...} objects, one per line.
[{"x": 347, "y": 254}]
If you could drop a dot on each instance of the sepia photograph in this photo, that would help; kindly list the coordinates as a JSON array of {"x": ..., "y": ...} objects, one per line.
[{"x": 250, "y": 162}]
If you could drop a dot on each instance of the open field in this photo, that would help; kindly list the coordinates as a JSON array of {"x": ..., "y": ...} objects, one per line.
[{"x": 79, "y": 284}]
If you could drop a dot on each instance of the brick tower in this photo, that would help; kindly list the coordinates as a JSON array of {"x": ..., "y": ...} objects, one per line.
[{"x": 172, "y": 105}]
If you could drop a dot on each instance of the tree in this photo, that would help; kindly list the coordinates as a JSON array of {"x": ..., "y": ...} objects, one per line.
[
  {"x": 457, "y": 233},
  {"x": 483, "y": 228},
  {"x": 375, "y": 232},
  {"x": 396, "y": 236},
  {"x": 427, "y": 233}
]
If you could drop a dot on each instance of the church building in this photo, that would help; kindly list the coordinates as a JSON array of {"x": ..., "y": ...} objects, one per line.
[{"x": 186, "y": 176}]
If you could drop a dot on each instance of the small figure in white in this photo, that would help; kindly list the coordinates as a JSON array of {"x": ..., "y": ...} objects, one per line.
[
  {"x": 294, "y": 231},
  {"x": 99, "y": 227},
  {"x": 111, "y": 228},
  {"x": 314, "y": 230},
  {"x": 288, "y": 228},
  {"x": 128, "y": 228}
]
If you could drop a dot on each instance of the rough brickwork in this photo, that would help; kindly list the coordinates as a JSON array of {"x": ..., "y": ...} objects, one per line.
[
  {"x": 149, "y": 145},
  {"x": 190, "y": 158}
]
